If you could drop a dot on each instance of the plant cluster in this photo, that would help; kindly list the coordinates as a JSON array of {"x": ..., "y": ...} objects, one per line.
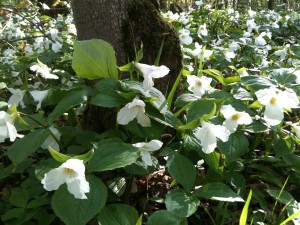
[{"x": 225, "y": 151}]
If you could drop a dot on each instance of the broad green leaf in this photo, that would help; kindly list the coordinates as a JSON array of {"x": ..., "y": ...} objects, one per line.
[
  {"x": 118, "y": 214},
  {"x": 216, "y": 74},
  {"x": 19, "y": 197},
  {"x": 181, "y": 203},
  {"x": 108, "y": 95},
  {"x": 244, "y": 214},
  {"x": 200, "y": 108},
  {"x": 235, "y": 147},
  {"x": 112, "y": 153},
  {"x": 257, "y": 82},
  {"x": 72, "y": 99},
  {"x": 185, "y": 99},
  {"x": 164, "y": 217},
  {"x": 217, "y": 191},
  {"x": 27, "y": 145},
  {"x": 183, "y": 170},
  {"x": 283, "y": 197},
  {"x": 94, "y": 59},
  {"x": 74, "y": 211}
]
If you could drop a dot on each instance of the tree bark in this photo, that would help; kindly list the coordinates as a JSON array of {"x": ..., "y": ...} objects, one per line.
[{"x": 126, "y": 25}]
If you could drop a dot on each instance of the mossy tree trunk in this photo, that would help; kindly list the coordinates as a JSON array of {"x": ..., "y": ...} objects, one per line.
[{"x": 127, "y": 25}]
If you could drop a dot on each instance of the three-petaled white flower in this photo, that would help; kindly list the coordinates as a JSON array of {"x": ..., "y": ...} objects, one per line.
[
  {"x": 43, "y": 70},
  {"x": 134, "y": 109},
  {"x": 184, "y": 36},
  {"x": 150, "y": 72},
  {"x": 7, "y": 128},
  {"x": 17, "y": 97},
  {"x": 39, "y": 96},
  {"x": 233, "y": 118},
  {"x": 275, "y": 101},
  {"x": 208, "y": 135},
  {"x": 72, "y": 172},
  {"x": 198, "y": 85},
  {"x": 51, "y": 141},
  {"x": 146, "y": 148},
  {"x": 296, "y": 129}
]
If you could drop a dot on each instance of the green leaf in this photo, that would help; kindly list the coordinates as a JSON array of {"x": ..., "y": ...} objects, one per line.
[
  {"x": 108, "y": 96},
  {"x": 216, "y": 74},
  {"x": 19, "y": 197},
  {"x": 282, "y": 196},
  {"x": 94, "y": 59},
  {"x": 217, "y": 191},
  {"x": 235, "y": 147},
  {"x": 200, "y": 108},
  {"x": 74, "y": 211},
  {"x": 72, "y": 99},
  {"x": 164, "y": 217},
  {"x": 111, "y": 154},
  {"x": 185, "y": 99},
  {"x": 257, "y": 82},
  {"x": 183, "y": 170},
  {"x": 118, "y": 214},
  {"x": 59, "y": 157},
  {"x": 181, "y": 203},
  {"x": 244, "y": 214},
  {"x": 27, "y": 145},
  {"x": 85, "y": 157}
]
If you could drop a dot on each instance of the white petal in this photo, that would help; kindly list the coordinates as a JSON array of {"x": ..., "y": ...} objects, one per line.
[
  {"x": 3, "y": 133},
  {"x": 160, "y": 72},
  {"x": 148, "y": 82},
  {"x": 227, "y": 111},
  {"x": 139, "y": 145},
  {"x": 153, "y": 145},
  {"x": 264, "y": 96},
  {"x": 208, "y": 140},
  {"x": 78, "y": 186},
  {"x": 12, "y": 132},
  {"x": 39, "y": 96},
  {"x": 143, "y": 119},
  {"x": 289, "y": 99},
  {"x": 146, "y": 157},
  {"x": 50, "y": 141},
  {"x": 53, "y": 179},
  {"x": 125, "y": 115},
  {"x": 220, "y": 132},
  {"x": 75, "y": 165},
  {"x": 245, "y": 118},
  {"x": 273, "y": 114},
  {"x": 231, "y": 125}
]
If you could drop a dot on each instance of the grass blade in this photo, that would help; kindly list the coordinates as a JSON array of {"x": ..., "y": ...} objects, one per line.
[{"x": 243, "y": 218}]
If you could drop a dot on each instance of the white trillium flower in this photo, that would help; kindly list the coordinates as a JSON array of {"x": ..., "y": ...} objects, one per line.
[
  {"x": 275, "y": 101},
  {"x": 233, "y": 118},
  {"x": 202, "y": 31},
  {"x": 282, "y": 53},
  {"x": 146, "y": 148},
  {"x": 296, "y": 129},
  {"x": 17, "y": 97},
  {"x": 43, "y": 70},
  {"x": 39, "y": 96},
  {"x": 7, "y": 128},
  {"x": 150, "y": 72},
  {"x": 208, "y": 135},
  {"x": 184, "y": 36},
  {"x": 260, "y": 39},
  {"x": 72, "y": 172},
  {"x": 50, "y": 140},
  {"x": 198, "y": 85},
  {"x": 132, "y": 110},
  {"x": 229, "y": 55}
]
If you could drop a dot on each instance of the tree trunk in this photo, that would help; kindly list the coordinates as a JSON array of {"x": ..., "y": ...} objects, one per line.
[
  {"x": 125, "y": 25},
  {"x": 271, "y": 4}
]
